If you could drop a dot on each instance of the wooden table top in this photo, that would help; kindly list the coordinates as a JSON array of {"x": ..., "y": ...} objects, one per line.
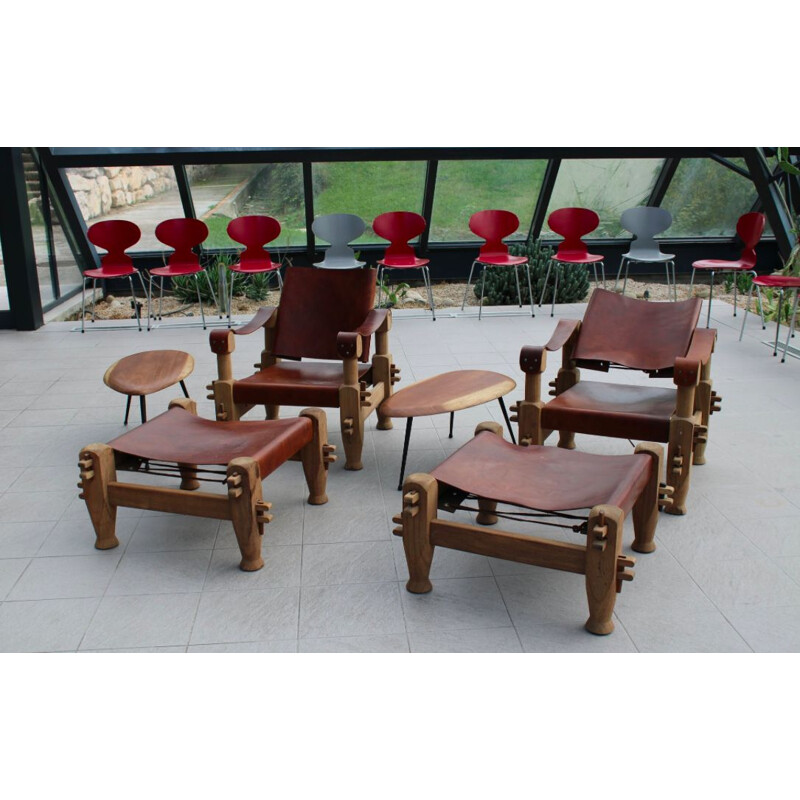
[
  {"x": 450, "y": 391},
  {"x": 148, "y": 372}
]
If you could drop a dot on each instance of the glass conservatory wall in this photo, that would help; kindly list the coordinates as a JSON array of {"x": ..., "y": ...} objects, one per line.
[
  {"x": 222, "y": 192},
  {"x": 608, "y": 186},
  {"x": 706, "y": 198},
  {"x": 54, "y": 255},
  {"x": 464, "y": 187},
  {"x": 144, "y": 195},
  {"x": 368, "y": 188}
]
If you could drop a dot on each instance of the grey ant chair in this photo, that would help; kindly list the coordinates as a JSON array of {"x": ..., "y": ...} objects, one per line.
[
  {"x": 644, "y": 222},
  {"x": 339, "y": 230}
]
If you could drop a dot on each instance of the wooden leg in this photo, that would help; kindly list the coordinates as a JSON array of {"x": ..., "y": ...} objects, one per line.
[
  {"x": 486, "y": 515},
  {"x": 679, "y": 462},
  {"x": 188, "y": 472},
  {"x": 245, "y": 501},
  {"x": 273, "y": 412},
  {"x": 645, "y": 509},
  {"x": 382, "y": 370},
  {"x": 352, "y": 425},
  {"x": 704, "y": 394},
  {"x": 226, "y": 410},
  {"x": 603, "y": 545},
  {"x": 315, "y": 457},
  {"x": 97, "y": 471},
  {"x": 420, "y": 495}
]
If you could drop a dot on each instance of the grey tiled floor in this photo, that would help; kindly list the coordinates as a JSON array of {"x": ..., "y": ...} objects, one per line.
[{"x": 725, "y": 578}]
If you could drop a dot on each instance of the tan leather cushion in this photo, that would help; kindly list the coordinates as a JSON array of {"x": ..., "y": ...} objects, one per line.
[
  {"x": 612, "y": 409},
  {"x": 545, "y": 478},
  {"x": 296, "y": 383},
  {"x": 183, "y": 438}
]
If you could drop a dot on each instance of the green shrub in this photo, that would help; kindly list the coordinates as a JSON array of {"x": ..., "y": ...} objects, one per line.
[
  {"x": 253, "y": 287},
  {"x": 743, "y": 282},
  {"x": 501, "y": 288}
]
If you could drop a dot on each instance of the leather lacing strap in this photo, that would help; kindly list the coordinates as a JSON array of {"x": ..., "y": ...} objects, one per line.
[
  {"x": 171, "y": 470},
  {"x": 533, "y": 516}
]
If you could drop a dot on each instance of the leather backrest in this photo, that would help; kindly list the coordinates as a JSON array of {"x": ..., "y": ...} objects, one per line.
[
  {"x": 316, "y": 305},
  {"x": 636, "y": 333}
]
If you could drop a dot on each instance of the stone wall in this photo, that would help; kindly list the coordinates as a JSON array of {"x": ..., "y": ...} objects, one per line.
[{"x": 99, "y": 189}]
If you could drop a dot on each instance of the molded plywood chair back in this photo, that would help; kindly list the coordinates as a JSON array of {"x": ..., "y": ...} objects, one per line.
[
  {"x": 572, "y": 223},
  {"x": 645, "y": 222},
  {"x": 749, "y": 229},
  {"x": 254, "y": 231},
  {"x": 116, "y": 236},
  {"x": 182, "y": 234},
  {"x": 339, "y": 230},
  {"x": 399, "y": 227},
  {"x": 494, "y": 225}
]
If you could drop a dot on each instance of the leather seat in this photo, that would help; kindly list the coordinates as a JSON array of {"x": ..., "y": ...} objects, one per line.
[{"x": 179, "y": 437}]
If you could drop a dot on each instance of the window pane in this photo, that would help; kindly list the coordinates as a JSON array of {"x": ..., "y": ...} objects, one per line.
[
  {"x": 144, "y": 195},
  {"x": 465, "y": 187},
  {"x": 368, "y": 188},
  {"x": 4, "y": 304},
  {"x": 707, "y": 198},
  {"x": 607, "y": 186},
  {"x": 222, "y": 192}
]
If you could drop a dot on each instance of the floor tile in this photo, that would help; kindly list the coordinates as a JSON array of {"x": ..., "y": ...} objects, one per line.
[
  {"x": 281, "y": 568},
  {"x": 246, "y": 616},
  {"x": 355, "y": 644},
  {"x": 350, "y": 610},
  {"x": 456, "y": 603},
  {"x": 348, "y": 562},
  {"x": 10, "y": 571},
  {"x": 50, "y": 578},
  {"x": 141, "y": 621},
  {"x": 483, "y": 640},
  {"x": 44, "y": 625},
  {"x": 168, "y": 572}
]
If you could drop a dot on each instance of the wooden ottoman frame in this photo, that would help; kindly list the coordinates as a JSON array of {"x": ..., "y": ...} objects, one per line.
[
  {"x": 600, "y": 559},
  {"x": 243, "y": 504}
]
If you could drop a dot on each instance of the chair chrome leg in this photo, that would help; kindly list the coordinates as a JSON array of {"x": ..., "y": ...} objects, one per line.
[
  {"x": 83, "y": 307},
  {"x": 603, "y": 273},
  {"x": 161, "y": 299},
  {"x": 135, "y": 304},
  {"x": 94, "y": 299},
  {"x": 691, "y": 282},
  {"x": 710, "y": 299},
  {"x": 735, "y": 291},
  {"x": 379, "y": 280},
  {"x": 148, "y": 298},
  {"x": 791, "y": 327},
  {"x": 426, "y": 274},
  {"x": 211, "y": 289},
  {"x": 530, "y": 290},
  {"x": 199, "y": 300},
  {"x": 519, "y": 293},
  {"x": 555, "y": 290},
  {"x": 469, "y": 281},
  {"x": 746, "y": 310},
  {"x": 625, "y": 281},
  {"x": 483, "y": 286},
  {"x": 778, "y": 326},
  {"x": 544, "y": 286}
]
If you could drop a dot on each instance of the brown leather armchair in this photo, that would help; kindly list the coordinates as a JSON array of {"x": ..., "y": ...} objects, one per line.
[
  {"x": 323, "y": 314},
  {"x": 661, "y": 339}
]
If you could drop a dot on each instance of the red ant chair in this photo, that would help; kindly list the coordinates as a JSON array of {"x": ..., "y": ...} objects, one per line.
[
  {"x": 572, "y": 224},
  {"x": 115, "y": 236},
  {"x": 782, "y": 282},
  {"x": 399, "y": 227},
  {"x": 749, "y": 229},
  {"x": 493, "y": 226},
  {"x": 254, "y": 232},
  {"x": 182, "y": 235}
]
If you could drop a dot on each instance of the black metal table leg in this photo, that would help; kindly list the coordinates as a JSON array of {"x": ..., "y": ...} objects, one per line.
[
  {"x": 452, "y": 417},
  {"x": 405, "y": 452},
  {"x": 508, "y": 421},
  {"x": 183, "y": 385},
  {"x": 127, "y": 409},
  {"x": 143, "y": 407}
]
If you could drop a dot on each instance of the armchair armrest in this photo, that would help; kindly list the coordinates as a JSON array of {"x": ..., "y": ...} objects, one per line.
[
  {"x": 376, "y": 319},
  {"x": 349, "y": 344},
  {"x": 702, "y": 345},
  {"x": 221, "y": 340},
  {"x": 532, "y": 359},
  {"x": 564, "y": 330}
]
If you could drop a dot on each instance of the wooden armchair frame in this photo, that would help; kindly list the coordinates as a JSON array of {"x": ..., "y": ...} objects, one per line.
[
  {"x": 360, "y": 390},
  {"x": 687, "y": 424}
]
